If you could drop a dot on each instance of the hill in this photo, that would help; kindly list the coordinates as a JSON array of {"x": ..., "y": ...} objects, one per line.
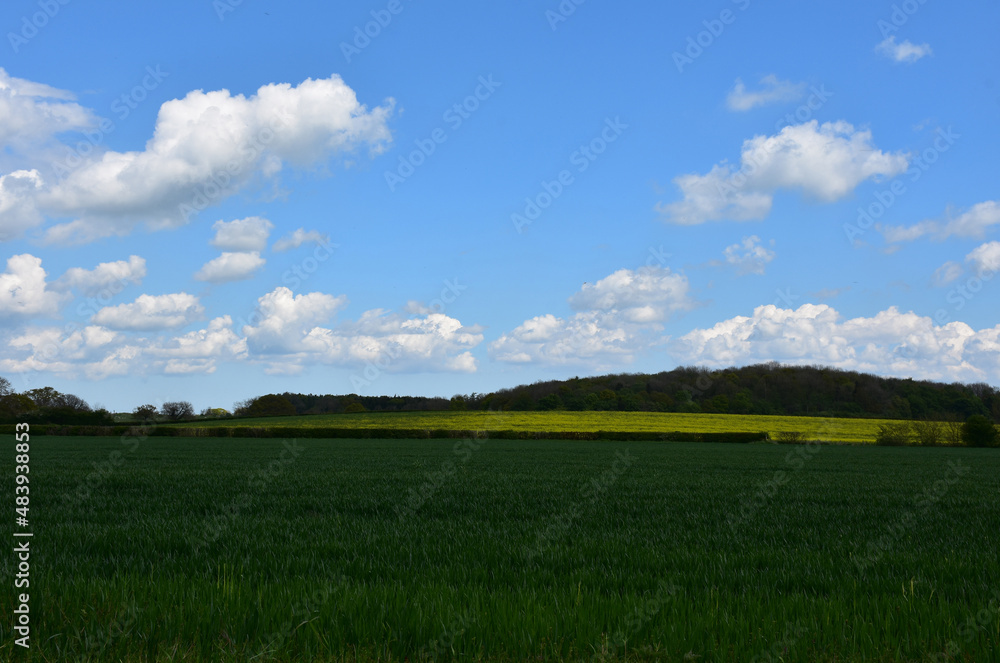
[{"x": 760, "y": 389}]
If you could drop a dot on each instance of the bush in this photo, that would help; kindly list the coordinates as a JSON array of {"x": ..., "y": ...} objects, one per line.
[
  {"x": 178, "y": 410},
  {"x": 270, "y": 405},
  {"x": 927, "y": 433},
  {"x": 145, "y": 412},
  {"x": 892, "y": 435},
  {"x": 790, "y": 436},
  {"x": 978, "y": 431}
]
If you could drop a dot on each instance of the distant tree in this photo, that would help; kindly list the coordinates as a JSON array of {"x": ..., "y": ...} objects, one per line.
[
  {"x": 5, "y": 388},
  {"x": 355, "y": 408},
  {"x": 927, "y": 433},
  {"x": 457, "y": 403},
  {"x": 215, "y": 412},
  {"x": 145, "y": 412},
  {"x": 892, "y": 435},
  {"x": 550, "y": 402},
  {"x": 13, "y": 405},
  {"x": 979, "y": 431},
  {"x": 270, "y": 405},
  {"x": 45, "y": 397},
  {"x": 177, "y": 410},
  {"x": 75, "y": 403}
]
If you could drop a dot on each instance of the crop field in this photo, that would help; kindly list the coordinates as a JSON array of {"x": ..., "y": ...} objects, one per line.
[
  {"x": 813, "y": 428},
  {"x": 177, "y": 549}
]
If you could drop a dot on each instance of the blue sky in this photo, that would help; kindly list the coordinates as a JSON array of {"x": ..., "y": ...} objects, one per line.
[{"x": 210, "y": 201}]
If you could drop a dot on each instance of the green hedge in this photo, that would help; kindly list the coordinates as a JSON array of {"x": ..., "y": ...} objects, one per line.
[{"x": 381, "y": 433}]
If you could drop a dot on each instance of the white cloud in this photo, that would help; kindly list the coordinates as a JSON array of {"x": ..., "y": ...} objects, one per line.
[
  {"x": 907, "y": 51},
  {"x": 974, "y": 222},
  {"x": 890, "y": 343},
  {"x": 32, "y": 113},
  {"x": 289, "y": 326},
  {"x": 106, "y": 277},
  {"x": 230, "y": 267},
  {"x": 772, "y": 91},
  {"x": 17, "y": 208},
  {"x": 985, "y": 259},
  {"x": 92, "y": 351},
  {"x": 749, "y": 257},
  {"x": 204, "y": 148},
  {"x": 23, "y": 290},
  {"x": 826, "y": 162},
  {"x": 151, "y": 312},
  {"x": 298, "y": 238},
  {"x": 646, "y": 295},
  {"x": 95, "y": 352},
  {"x": 946, "y": 273},
  {"x": 617, "y": 319},
  {"x": 248, "y": 234},
  {"x": 287, "y": 320},
  {"x": 588, "y": 338}
]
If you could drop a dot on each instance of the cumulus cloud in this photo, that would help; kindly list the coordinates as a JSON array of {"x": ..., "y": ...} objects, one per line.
[
  {"x": 615, "y": 321},
  {"x": 974, "y": 222},
  {"x": 287, "y": 320},
  {"x": 772, "y": 91},
  {"x": 23, "y": 289},
  {"x": 985, "y": 259},
  {"x": 204, "y": 148},
  {"x": 32, "y": 113},
  {"x": 749, "y": 257},
  {"x": 889, "y": 343},
  {"x": 298, "y": 238},
  {"x": 92, "y": 351},
  {"x": 17, "y": 206},
  {"x": 151, "y": 312},
  {"x": 826, "y": 162},
  {"x": 906, "y": 52},
  {"x": 106, "y": 277},
  {"x": 96, "y": 352},
  {"x": 646, "y": 295},
  {"x": 290, "y": 327},
  {"x": 288, "y": 333},
  {"x": 230, "y": 267},
  {"x": 248, "y": 234}
]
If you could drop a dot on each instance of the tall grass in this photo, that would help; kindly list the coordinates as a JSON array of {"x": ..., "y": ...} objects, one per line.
[{"x": 508, "y": 550}]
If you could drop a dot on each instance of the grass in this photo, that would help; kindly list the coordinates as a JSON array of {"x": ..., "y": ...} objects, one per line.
[
  {"x": 813, "y": 428},
  {"x": 245, "y": 549}
]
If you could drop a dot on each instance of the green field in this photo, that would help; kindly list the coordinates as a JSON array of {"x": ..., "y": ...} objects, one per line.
[
  {"x": 315, "y": 550},
  {"x": 814, "y": 428}
]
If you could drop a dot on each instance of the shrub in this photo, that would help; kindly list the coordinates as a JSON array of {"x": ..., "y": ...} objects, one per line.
[
  {"x": 270, "y": 405},
  {"x": 978, "y": 431},
  {"x": 178, "y": 410},
  {"x": 892, "y": 435},
  {"x": 145, "y": 412},
  {"x": 927, "y": 433},
  {"x": 790, "y": 436}
]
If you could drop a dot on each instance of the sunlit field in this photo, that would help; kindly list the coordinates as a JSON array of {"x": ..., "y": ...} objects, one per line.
[
  {"x": 317, "y": 550},
  {"x": 812, "y": 428}
]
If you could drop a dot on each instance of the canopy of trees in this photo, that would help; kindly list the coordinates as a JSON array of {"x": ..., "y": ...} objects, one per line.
[{"x": 759, "y": 389}]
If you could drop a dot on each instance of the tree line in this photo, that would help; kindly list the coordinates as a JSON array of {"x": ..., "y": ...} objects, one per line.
[{"x": 768, "y": 389}]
